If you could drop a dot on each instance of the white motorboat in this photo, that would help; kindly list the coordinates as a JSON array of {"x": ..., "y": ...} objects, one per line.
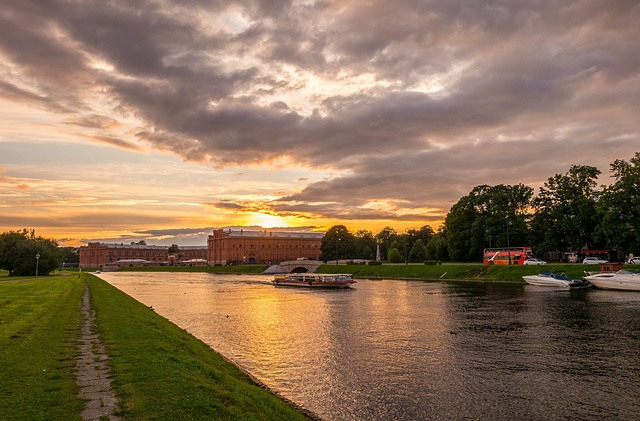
[
  {"x": 625, "y": 280},
  {"x": 559, "y": 280},
  {"x": 312, "y": 280}
]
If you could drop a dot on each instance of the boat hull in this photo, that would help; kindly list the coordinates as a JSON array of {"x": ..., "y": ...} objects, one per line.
[
  {"x": 545, "y": 281},
  {"x": 621, "y": 280},
  {"x": 314, "y": 281},
  {"x": 554, "y": 280}
]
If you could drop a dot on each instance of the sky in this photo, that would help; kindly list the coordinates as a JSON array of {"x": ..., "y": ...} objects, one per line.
[{"x": 159, "y": 121}]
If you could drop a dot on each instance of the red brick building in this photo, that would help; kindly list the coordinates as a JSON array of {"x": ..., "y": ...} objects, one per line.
[
  {"x": 98, "y": 255},
  {"x": 227, "y": 247}
]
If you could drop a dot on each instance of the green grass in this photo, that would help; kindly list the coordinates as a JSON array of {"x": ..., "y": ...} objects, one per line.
[
  {"x": 163, "y": 373},
  {"x": 159, "y": 371},
  {"x": 39, "y": 326}
]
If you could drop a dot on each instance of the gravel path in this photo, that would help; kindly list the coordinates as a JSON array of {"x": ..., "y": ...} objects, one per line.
[{"x": 92, "y": 371}]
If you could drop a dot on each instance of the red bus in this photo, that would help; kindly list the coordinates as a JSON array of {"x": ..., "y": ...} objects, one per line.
[{"x": 506, "y": 255}]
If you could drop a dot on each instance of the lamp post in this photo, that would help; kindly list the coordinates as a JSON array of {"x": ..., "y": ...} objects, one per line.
[
  {"x": 337, "y": 243},
  {"x": 406, "y": 240},
  {"x": 37, "y": 262},
  {"x": 508, "y": 249}
]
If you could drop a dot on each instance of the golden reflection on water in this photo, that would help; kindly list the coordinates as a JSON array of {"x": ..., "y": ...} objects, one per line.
[{"x": 391, "y": 350}]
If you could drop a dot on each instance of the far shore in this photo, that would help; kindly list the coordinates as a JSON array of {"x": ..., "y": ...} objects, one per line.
[{"x": 411, "y": 271}]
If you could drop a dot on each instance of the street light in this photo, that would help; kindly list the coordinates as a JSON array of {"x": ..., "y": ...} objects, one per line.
[
  {"x": 508, "y": 249},
  {"x": 37, "y": 262},
  {"x": 406, "y": 240},
  {"x": 337, "y": 242}
]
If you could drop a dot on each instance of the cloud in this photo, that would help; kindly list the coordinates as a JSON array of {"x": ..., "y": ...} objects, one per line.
[{"x": 411, "y": 102}]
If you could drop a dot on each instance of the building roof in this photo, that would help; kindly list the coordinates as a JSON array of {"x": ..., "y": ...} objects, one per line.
[{"x": 277, "y": 234}]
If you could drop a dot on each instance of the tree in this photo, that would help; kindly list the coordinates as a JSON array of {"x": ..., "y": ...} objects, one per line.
[
  {"x": 489, "y": 216},
  {"x": 619, "y": 206},
  {"x": 437, "y": 247},
  {"x": 338, "y": 243},
  {"x": 18, "y": 251},
  {"x": 173, "y": 249},
  {"x": 394, "y": 256},
  {"x": 418, "y": 252},
  {"x": 565, "y": 215},
  {"x": 425, "y": 233},
  {"x": 385, "y": 237},
  {"x": 70, "y": 256},
  {"x": 365, "y": 245}
]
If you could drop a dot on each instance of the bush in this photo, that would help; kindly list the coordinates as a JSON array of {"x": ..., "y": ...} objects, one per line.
[
  {"x": 431, "y": 262},
  {"x": 394, "y": 256},
  {"x": 374, "y": 263}
]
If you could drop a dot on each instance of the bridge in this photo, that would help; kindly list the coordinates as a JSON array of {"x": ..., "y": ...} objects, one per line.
[{"x": 295, "y": 266}]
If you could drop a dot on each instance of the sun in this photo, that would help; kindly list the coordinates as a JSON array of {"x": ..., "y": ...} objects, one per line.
[{"x": 267, "y": 221}]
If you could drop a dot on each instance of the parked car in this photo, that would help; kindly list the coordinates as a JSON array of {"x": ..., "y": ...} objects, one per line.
[
  {"x": 635, "y": 260},
  {"x": 534, "y": 261},
  {"x": 594, "y": 260}
]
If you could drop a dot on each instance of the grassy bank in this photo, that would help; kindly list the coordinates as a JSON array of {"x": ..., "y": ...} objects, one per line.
[
  {"x": 162, "y": 372},
  {"x": 39, "y": 327},
  {"x": 159, "y": 370}
]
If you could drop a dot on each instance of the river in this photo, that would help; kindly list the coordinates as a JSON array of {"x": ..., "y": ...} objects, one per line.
[{"x": 413, "y": 350}]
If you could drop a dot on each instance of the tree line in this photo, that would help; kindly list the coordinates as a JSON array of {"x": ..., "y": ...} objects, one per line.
[
  {"x": 23, "y": 253},
  {"x": 570, "y": 212}
]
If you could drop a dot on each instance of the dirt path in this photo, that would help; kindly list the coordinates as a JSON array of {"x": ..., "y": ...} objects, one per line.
[{"x": 92, "y": 371}]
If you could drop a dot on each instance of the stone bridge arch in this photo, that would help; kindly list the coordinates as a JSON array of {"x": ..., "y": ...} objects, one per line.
[{"x": 295, "y": 266}]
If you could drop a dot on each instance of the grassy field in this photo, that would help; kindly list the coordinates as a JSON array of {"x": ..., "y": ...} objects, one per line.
[
  {"x": 159, "y": 370},
  {"x": 39, "y": 326}
]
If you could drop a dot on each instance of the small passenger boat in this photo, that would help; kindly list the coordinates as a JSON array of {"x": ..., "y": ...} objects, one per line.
[
  {"x": 624, "y": 280},
  {"x": 551, "y": 279},
  {"x": 314, "y": 280}
]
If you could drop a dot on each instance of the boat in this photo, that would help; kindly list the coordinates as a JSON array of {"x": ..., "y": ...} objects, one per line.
[
  {"x": 554, "y": 279},
  {"x": 624, "y": 279},
  {"x": 313, "y": 280}
]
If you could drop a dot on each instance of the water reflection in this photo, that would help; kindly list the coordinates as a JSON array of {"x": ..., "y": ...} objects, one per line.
[{"x": 416, "y": 350}]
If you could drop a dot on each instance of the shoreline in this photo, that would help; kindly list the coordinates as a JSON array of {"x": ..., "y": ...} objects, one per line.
[{"x": 444, "y": 272}]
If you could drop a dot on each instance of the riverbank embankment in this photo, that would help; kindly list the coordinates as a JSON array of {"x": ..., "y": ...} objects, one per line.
[{"x": 158, "y": 370}]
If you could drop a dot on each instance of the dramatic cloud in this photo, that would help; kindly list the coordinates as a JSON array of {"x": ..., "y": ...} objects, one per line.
[{"x": 409, "y": 103}]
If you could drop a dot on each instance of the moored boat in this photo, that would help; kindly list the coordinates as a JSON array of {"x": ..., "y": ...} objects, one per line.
[
  {"x": 559, "y": 280},
  {"x": 624, "y": 279},
  {"x": 313, "y": 280}
]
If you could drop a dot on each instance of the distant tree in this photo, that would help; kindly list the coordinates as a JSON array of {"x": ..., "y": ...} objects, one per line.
[
  {"x": 18, "y": 251},
  {"x": 418, "y": 252},
  {"x": 365, "y": 245},
  {"x": 619, "y": 206},
  {"x": 394, "y": 256},
  {"x": 385, "y": 237},
  {"x": 425, "y": 233},
  {"x": 173, "y": 249},
  {"x": 338, "y": 243},
  {"x": 565, "y": 215},
  {"x": 488, "y": 216},
  {"x": 70, "y": 255},
  {"x": 437, "y": 247}
]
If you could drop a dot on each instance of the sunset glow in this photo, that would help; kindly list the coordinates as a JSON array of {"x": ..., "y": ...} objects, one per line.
[{"x": 161, "y": 121}]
